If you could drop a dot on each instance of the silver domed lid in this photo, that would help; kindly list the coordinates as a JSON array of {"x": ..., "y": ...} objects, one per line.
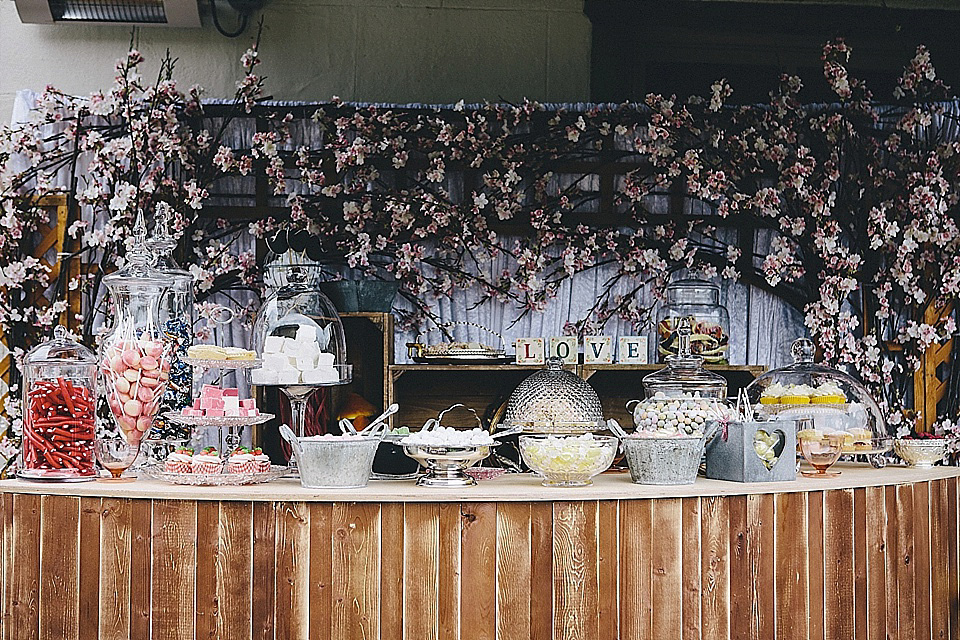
[{"x": 553, "y": 400}]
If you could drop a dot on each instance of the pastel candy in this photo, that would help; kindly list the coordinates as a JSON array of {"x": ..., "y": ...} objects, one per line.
[
  {"x": 273, "y": 344},
  {"x": 148, "y": 362},
  {"x": 131, "y": 358},
  {"x": 132, "y": 408}
]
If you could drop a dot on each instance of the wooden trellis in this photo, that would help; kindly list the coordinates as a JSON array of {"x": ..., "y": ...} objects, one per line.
[{"x": 50, "y": 244}]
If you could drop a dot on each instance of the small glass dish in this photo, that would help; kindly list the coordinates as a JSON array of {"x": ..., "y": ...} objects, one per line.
[
  {"x": 570, "y": 461},
  {"x": 445, "y": 465},
  {"x": 116, "y": 455},
  {"x": 921, "y": 453},
  {"x": 215, "y": 479},
  {"x": 484, "y": 473},
  {"x": 821, "y": 450}
]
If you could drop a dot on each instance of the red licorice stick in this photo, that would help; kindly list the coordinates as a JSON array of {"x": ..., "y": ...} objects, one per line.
[{"x": 51, "y": 459}]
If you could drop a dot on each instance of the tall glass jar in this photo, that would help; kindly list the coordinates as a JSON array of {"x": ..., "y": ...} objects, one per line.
[
  {"x": 699, "y": 302},
  {"x": 59, "y": 410},
  {"x": 683, "y": 397},
  {"x": 176, "y": 323},
  {"x": 135, "y": 358}
]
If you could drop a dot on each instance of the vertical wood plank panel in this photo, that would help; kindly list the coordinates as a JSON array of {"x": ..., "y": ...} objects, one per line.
[
  {"x": 715, "y": 549},
  {"x": 89, "y": 569},
  {"x": 952, "y": 556},
  {"x": 208, "y": 606},
  {"x": 790, "y": 561},
  {"x": 892, "y": 564},
  {"x": 25, "y": 563},
  {"x": 115, "y": 567},
  {"x": 636, "y": 537},
  {"x": 860, "y": 564},
  {"x": 666, "y": 583},
  {"x": 478, "y": 566},
  {"x": 6, "y": 563},
  {"x": 59, "y": 579},
  {"x": 608, "y": 570},
  {"x": 513, "y": 571},
  {"x": 760, "y": 552},
  {"x": 421, "y": 540},
  {"x": 141, "y": 566},
  {"x": 234, "y": 574},
  {"x": 940, "y": 586},
  {"x": 264, "y": 570},
  {"x": 293, "y": 571},
  {"x": 838, "y": 564},
  {"x": 448, "y": 572},
  {"x": 575, "y": 569},
  {"x": 691, "y": 569},
  {"x": 875, "y": 535},
  {"x": 921, "y": 554},
  {"x": 905, "y": 568},
  {"x": 741, "y": 590},
  {"x": 391, "y": 570},
  {"x": 815, "y": 568},
  {"x": 321, "y": 570},
  {"x": 174, "y": 569},
  {"x": 356, "y": 571},
  {"x": 541, "y": 571}
]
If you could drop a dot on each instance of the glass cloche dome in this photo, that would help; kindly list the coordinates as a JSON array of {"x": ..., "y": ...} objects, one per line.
[
  {"x": 822, "y": 400},
  {"x": 680, "y": 399},
  {"x": 298, "y": 335},
  {"x": 553, "y": 400}
]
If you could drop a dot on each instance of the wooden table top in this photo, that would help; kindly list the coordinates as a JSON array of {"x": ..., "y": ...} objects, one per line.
[{"x": 507, "y": 488}]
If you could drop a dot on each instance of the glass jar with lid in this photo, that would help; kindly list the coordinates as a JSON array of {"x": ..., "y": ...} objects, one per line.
[
  {"x": 683, "y": 397},
  {"x": 824, "y": 401},
  {"x": 59, "y": 410},
  {"x": 299, "y": 336},
  {"x": 135, "y": 358},
  {"x": 176, "y": 323},
  {"x": 699, "y": 302}
]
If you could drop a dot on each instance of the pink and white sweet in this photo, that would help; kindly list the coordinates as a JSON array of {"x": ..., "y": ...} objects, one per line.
[
  {"x": 215, "y": 402},
  {"x": 136, "y": 373}
]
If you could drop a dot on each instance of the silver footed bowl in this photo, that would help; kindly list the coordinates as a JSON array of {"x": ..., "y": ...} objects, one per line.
[
  {"x": 921, "y": 453},
  {"x": 445, "y": 464}
]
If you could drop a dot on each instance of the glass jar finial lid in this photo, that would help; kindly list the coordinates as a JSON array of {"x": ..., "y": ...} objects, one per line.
[
  {"x": 684, "y": 374},
  {"x": 138, "y": 264}
]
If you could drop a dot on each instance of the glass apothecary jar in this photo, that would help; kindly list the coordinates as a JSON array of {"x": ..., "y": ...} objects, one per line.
[
  {"x": 176, "y": 324},
  {"x": 682, "y": 398},
  {"x": 699, "y": 302},
  {"x": 824, "y": 401},
  {"x": 135, "y": 357},
  {"x": 59, "y": 410}
]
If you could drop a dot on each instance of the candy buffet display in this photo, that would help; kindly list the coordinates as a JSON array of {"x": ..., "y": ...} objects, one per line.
[
  {"x": 59, "y": 405},
  {"x": 825, "y": 400},
  {"x": 554, "y": 400},
  {"x": 568, "y": 461},
  {"x": 697, "y": 302},
  {"x": 135, "y": 358},
  {"x": 176, "y": 324}
]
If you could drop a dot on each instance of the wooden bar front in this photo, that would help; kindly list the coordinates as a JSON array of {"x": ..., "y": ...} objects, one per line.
[{"x": 877, "y": 559}]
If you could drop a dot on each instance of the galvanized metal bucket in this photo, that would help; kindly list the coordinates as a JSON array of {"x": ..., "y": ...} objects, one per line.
[
  {"x": 663, "y": 460},
  {"x": 332, "y": 464}
]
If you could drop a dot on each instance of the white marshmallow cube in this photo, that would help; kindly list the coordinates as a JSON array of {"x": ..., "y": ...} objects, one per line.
[
  {"x": 288, "y": 376},
  {"x": 265, "y": 377},
  {"x": 273, "y": 344},
  {"x": 326, "y": 360}
]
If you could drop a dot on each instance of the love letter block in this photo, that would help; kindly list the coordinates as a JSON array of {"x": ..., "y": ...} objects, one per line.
[
  {"x": 566, "y": 348},
  {"x": 597, "y": 350},
  {"x": 530, "y": 351},
  {"x": 633, "y": 350}
]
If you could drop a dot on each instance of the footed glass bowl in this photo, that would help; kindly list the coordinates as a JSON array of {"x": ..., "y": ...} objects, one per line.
[
  {"x": 921, "y": 453},
  {"x": 568, "y": 461}
]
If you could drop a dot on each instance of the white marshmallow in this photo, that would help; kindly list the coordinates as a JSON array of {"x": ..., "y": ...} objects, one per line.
[
  {"x": 264, "y": 377},
  {"x": 306, "y": 364},
  {"x": 326, "y": 360},
  {"x": 273, "y": 344},
  {"x": 275, "y": 361},
  {"x": 291, "y": 347},
  {"x": 230, "y": 403},
  {"x": 306, "y": 333},
  {"x": 321, "y": 375},
  {"x": 288, "y": 376}
]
